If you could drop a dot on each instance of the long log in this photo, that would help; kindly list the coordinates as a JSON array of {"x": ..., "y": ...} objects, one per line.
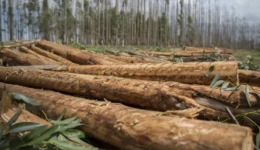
[
  {"x": 25, "y": 59},
  {"x": 192, "y": 73},
  {"x": 76, "y": 55},
  {"x": 135, "y": 129},
  {"x": 51, "y": 55},
  {"x": 26, "y": 50},
  {"x": 249, "y": 77},
  {"x": 133, "y": 59},
  {"x": 145, "y": 94}
]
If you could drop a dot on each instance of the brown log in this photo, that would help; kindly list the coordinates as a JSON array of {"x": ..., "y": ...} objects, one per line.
[
  {"x": 76, "y": 55},
  {"x": 51, "y": 55},
  {"x": 25, "y": 59},
  {"x": 25, "y": 50},
  {"x": 249, "y": 77},
  {"x": 145, "y": 94},
  {"x": 192, "y": 73},
  {"x": 8, "y": 110},
  {"x": 133, "y": 59},
  {"x": 136, "y": 129}
]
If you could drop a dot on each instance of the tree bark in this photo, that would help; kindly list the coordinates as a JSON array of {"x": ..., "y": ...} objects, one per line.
[
  {"x": 145, "y": 94},
  {"x": 51, "y": 55},
  {"x": 25, "y": 59},
  {"x": 192, "y": 73},
  {"x": 77, "y": 56},
  {"x": 249, "y": 77},
  {"x": 25, "y": 50},
  {"x": 136, "y": 129}
]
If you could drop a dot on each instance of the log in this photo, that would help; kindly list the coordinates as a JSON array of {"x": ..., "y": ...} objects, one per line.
[
  {"x": 144, "y": 94},
  {"x": 25, "y": 50},
  {"x": 249, "y": 77},
  {"x": 25, "y": 59},
  {"x": 136, "y": 129},
  {"x": 51, "y": 55},
  {"x": 133, "y": 59},
  {"x": 76, "y": 55},
  {"x": 192, "y": 73}
]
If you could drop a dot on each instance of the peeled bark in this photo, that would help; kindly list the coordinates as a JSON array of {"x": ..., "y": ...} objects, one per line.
[
  {"x": 249, "y": 77},
  {"x": 25, "y": 59},
  {"x": 145, "y": 94},
  {"x": 192, "y": 73},
  {"x": 51, "y": 55},
  {"x": 76, "y": 55},
  {"x": 136, "y": 129}
]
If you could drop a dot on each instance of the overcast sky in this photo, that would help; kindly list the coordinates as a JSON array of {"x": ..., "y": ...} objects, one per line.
[{"x": 250, "y": 9}]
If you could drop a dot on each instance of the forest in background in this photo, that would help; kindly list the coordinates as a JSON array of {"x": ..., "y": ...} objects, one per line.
[{"x": 203, "y": 23}]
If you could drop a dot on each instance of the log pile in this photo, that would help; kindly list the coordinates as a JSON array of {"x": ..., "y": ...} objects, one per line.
[{"x": 140, "y": 101}]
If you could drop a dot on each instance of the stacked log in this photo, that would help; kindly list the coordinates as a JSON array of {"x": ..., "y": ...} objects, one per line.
[
  {"x": 249, "y": 77},
  {"x": 162, "y": 103},
  {"x": 77, "y": 56},
  {"x": 140, "y": 129},
  {"x": 192, "y": 73}
]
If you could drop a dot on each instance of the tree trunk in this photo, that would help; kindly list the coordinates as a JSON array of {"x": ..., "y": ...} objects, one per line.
[
  {"x": 25, "y": 59},
  {"x": 77, "y": 56},
  {"x": 51, "y": 55},
  {"x": 249, "y": 77},
  {"x": 145, "y": 94},
  {"x": 192, "y": 73},
  {"x": 11, "y": 20},
  {"x": 135, "y": 129},
  {"x": 40, "y": 57}
]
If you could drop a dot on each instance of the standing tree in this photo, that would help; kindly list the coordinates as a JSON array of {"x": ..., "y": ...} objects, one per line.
[
  {"x": 11, "y": 20},
  {"x": 44, "y": 25}
]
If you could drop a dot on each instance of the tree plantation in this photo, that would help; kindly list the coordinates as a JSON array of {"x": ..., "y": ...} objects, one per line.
[{"x": 129, "y": 22}]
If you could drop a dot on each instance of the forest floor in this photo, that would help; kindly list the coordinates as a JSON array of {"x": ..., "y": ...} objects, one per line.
[{"x": 241, "y": 54}]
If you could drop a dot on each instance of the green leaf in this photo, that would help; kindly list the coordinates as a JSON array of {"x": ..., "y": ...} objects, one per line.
[
  {"x": 234, "y": 88},
  {"x": 69, "y": 146},
  {"x": 14, "y": 118},
  {"x": 34, "y": 134},
  {"x": 211, "y": 69},
  {"x": 217, "y": 84},
  {"x": 23, "y": 126},
  {"x": 247, "y": 95},
  {"x": 62, "y": 114},
  {"x": 224, "y": 87},
  {"x": 22, "y": 98},
  {"x": 1, "y": 132},
  {"x": 258, "y": 140},
  {"x": 67, "y": 121},
  {"x": 74, "y": 133},
  {"x": 215, "y": 79}
]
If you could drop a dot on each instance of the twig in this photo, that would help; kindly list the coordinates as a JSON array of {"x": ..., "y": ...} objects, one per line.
[{"x": 232, "y": 116}]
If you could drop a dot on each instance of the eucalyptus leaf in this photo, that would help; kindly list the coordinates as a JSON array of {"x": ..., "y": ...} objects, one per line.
[
  {"x": 22, "y": 98},
  {"x": 211, "y": 69},
  {"x": 215, "y": 79},
  {"x": 258, "y": 140},
  {"x": 69, "y": 146},
  {"x": 247, "y": 95},
  {"x": 74, "y": 133},
  {"x": 224, "y": 87},
  {"x": 62, "y": 114},
  {"x": 67, "y": 121},
  {"x": 23, "y": 126},
  {"x": 14, "y": 118},
  {"x": 234, "y": 88},
  {"x": 215, "y": 85}
]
